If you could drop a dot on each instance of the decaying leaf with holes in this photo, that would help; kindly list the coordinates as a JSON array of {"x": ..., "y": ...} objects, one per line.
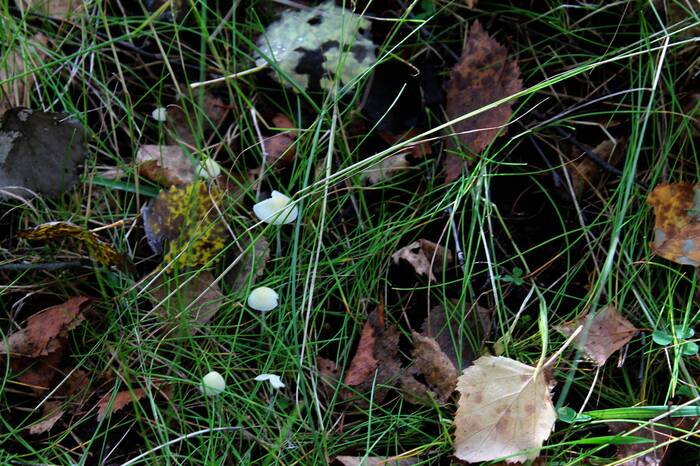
[
  {"x": 505, "y": 407},
  {"x": 677, "y": 229},
  {"x": 609, "y": 331},
  {"x": 166, "y": 165},
  {"x": 483, "y": 75},
  {"x": 189, "y": 218},
  {"x": 426, "y": 258},
  {"x": 100, "y": 250}
]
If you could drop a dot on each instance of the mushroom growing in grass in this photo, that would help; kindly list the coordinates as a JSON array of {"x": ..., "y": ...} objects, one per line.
[
  {"x": 263, "y": 299},
  {"x": 277, "y": 210},
  {"x": 213, "y": 384},
  {"x": 274, "y": 380}
]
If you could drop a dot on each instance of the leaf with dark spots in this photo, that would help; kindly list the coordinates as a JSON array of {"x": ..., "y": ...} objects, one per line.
[
  {"x": 483, "y": 75},
  {"x": 426, "y": 258}
]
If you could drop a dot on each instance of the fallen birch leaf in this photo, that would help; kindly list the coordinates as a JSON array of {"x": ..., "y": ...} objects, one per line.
[
  {"x": 484, "y": 74},
  {"x": 188, "y": 217},
  {"x": 505, "y": 407},
  {"x": 436, "y": 367},
  {"x": 39, "y": 151},
  {"x": 386, "y": 169},
  {"x": 100, "y": 250},
  {"x": 585, "y": 172},
  {"x": 677, "y": 228},
  {"x": 55, "y": 8},
  {"x": 181, "y": 120},
  {"x": 426, "y": 257},
  {"x": 280, "y": 147},
  {"x": 374, "y": 461},
  {"x": 201, "y": 299},
  {"x": 39, "y": 373},
  {"x": 608, "y": 333},
  {"x": 107, "y": 407},
  {"x": 51, "y": 413},
  {"x": 166, "y": 165}
]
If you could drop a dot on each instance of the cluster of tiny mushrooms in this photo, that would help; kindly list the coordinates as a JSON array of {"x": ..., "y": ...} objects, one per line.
[{"x": 278, "y": 209}]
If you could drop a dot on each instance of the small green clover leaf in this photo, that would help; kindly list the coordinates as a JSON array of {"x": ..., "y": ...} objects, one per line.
[
  {"x": 516, "y": 278},
  {"x": 665, "y": 338}
]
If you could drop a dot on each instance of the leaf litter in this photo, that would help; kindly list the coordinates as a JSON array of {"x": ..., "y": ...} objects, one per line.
[
  {"x": 505, "y": 407},
  {"x": 427, "y": 258},
  {"x": 484, "y": 74}
]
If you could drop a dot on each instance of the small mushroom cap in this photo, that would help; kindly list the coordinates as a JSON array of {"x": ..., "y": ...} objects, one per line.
[
  {"x": 274, "y": 380},
  {"x": 276, "y": 210},
  {"x": 213, "y": 383},
  {"x": 263, "y": 299},
  {"x": 208, "y": 169},
  {"x": 160, "y": 114}
]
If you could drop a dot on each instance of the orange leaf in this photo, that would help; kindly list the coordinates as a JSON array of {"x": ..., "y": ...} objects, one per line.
[
  {"x": 677, "y": 230},
  {"x": 121, "y": 399}
]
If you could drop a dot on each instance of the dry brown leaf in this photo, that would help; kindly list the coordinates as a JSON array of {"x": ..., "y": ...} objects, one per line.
[
  {"x": 280, "y": 147},
  {"x": 121, "y": 399},
  {"x": 471, "y": 4},
  {"x": 585, "y": 172},
  {"x": 376, "y": 361},
  {"x": 364, "y": 363},
  {"x": 181, "y": 123},
  {"x": 39, "y": 373},
  {"x": 51, "y": 413},
  {"x": 608, "y": 333},
  {"x": 201, "y": 299},
  {"x": 677, "y": 228},
  {"x": 329, "y": 373},
  {"x": 505, "y": 407},
  {"x": 483, "y": 75},
  {"x": 166, "y": 165},
  {"x": 374, "y": 461},
  {"x": 55, "y": 8},
  {"x": 15, "y": 92},
  {"x": 386, "y": 169},
  {"x": 421, "y": 254},
  {"x": 436, "y": 367},
  {"x": 660, "y": 432},
  {"x": 44, "y": 327}
]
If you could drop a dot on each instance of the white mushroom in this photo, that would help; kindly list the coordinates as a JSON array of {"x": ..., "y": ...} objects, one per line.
[
  {"x": 263, "y": 299},
  {"x": 277, "y": 210},
  {"x": 213, "y": 384},
  {"x": 208, "y": 169},
  {"x": 274, "y": 380},
  {"x": 160, "y": 114}
]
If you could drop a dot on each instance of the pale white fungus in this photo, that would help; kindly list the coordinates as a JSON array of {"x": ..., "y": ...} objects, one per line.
[
  {"x": 213, "y": 384},
  {"x": 208, "y": 169},
  {"x": 263, "y": 299},
  {"x": 277, "y": 210},
  {"x": 274, "y": 380},
  {"x": 160, "y": 114}
]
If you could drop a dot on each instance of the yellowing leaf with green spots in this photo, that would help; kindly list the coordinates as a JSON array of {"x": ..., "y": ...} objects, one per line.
[
  {"x": 189, "y": 218},
  {"x": 101, "y": 251},
  {"x": 677, "y": 229}
]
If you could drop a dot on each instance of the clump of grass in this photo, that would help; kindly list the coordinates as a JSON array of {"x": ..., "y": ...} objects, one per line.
[{"x": 617, "y": 71}]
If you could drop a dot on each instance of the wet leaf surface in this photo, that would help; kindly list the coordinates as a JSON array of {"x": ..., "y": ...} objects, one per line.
[{"x": 677, "y": 228}]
